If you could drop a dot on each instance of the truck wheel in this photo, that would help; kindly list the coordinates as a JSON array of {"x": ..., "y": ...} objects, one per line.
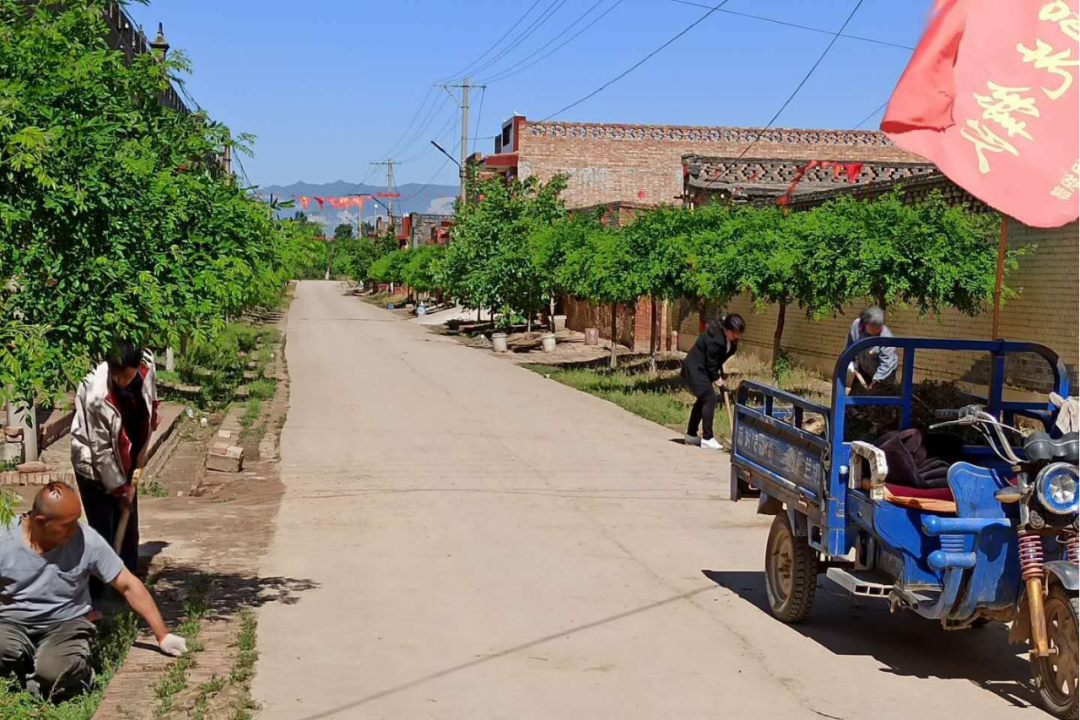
[
  {"x": 791, "y": 568},
  {"x": 1056, "y": 676}
]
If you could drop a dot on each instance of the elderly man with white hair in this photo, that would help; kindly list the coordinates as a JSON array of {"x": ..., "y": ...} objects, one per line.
[{"x": 878, "y": 364}]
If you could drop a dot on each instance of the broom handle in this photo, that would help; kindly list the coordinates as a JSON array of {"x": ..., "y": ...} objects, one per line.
[{"x": 125, "y": 514}]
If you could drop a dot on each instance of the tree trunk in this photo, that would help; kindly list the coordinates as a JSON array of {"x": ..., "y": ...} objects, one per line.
[
  {"x": 654, "y": 334},
  {"x": 170, "y": 359},
  {"x": 477, "y": 314},
  {"x": 614, "y": 331},
  {"x": 528, "y": 326},
  {"x": 777, "y": 336},
  {"x": 551, "y": 312}
]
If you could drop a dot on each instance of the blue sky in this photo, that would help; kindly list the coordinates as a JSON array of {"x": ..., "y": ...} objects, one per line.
[{"x": 328, "y": 86}]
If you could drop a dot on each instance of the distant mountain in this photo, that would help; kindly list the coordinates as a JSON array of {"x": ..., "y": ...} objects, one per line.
[{"x": 415, "y": 197}]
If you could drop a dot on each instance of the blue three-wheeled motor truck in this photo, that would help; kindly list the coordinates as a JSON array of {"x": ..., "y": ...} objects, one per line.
[{"x": 995, "y": 541}]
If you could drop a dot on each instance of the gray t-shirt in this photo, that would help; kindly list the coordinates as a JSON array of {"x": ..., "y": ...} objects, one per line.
[{"x": 38, "y": 590}]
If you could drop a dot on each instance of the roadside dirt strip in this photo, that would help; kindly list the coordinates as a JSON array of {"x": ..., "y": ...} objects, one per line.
[{"x": 483, "y": 542}]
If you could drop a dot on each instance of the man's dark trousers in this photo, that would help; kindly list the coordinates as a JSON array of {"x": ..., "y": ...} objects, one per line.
[{"x": 54, "y": 663}]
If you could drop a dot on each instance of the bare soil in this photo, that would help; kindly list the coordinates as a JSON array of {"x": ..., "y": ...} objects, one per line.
[{"x": 207, "y": 545}]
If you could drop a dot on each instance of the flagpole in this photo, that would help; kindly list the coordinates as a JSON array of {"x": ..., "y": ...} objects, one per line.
[{"x": 1000, "y": 277}]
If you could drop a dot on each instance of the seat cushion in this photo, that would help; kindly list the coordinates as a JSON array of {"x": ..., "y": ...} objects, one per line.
[{"x": 929, "y": 499}]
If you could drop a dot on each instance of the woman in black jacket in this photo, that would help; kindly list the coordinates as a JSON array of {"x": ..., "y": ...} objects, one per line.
[{"x": 704, "y": 367}]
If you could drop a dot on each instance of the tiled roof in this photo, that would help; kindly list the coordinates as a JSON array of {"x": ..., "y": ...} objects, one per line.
[{"x": 759, "y": 178}]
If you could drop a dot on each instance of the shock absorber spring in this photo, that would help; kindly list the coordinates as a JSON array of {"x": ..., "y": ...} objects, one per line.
[
  {"x": 1030, "y": 550},
  {"x": 1070, "y": 540}
]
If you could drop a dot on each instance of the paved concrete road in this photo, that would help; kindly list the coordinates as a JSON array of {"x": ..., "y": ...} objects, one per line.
[{"x": 488, "y": 543}]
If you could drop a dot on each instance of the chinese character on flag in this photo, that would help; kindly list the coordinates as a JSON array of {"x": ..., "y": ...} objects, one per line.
[{"x": 990, "y": 97}]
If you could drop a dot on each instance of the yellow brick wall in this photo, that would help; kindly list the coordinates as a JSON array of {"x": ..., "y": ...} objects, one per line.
[{"x": 1046, "y": 311}]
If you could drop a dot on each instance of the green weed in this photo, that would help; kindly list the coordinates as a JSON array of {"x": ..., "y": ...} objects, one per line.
[
  {"x": 175, "y": 679},
  {"x": 251, "y": 413},
  {"x": 246, "y": 651},
  {"x": 153, "y": 489},
  {"x": 263, "y": 389}
]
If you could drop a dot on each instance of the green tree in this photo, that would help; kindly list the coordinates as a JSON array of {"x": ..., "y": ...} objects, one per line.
[
  {"x": 115, "y": 216},
  {"x": 605, "y": 270},
  {"x": 490, "y": 261},
  {"x": 419, "y": 273},
  {"x": 344, "y": 231}
]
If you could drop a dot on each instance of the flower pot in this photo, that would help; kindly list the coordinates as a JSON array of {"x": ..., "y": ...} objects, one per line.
[
  {"x": 548, "y": 343},
  {"x": 592, "y": 336},
  {"x": 498, "y": 342},
  {"x": 560, "y": 323}
]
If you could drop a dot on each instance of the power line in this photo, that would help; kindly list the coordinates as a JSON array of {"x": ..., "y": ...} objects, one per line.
[
  {"x": 426, "y": 185},
  {"x": 639, "y": 63},
  {"x": 411, "y": 122},
  {"x": 468, "y": 67},
  {"x": 798, "y": 87},
  {"x": 800, "y": 27},
  {"x": 440, "y": 134},
  {"x": 510, "y": 71},
  {"x": 435, "y": 112},
  {"x": 865, "y": 119},
  {"x": 555, "y": 6}
]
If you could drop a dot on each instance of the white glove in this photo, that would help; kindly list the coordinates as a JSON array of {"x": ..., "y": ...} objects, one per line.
[{"x": 173, "y": 645}]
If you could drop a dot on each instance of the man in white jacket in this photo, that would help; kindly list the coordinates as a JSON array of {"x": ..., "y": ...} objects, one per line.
[{"x": 115, "y": 415}]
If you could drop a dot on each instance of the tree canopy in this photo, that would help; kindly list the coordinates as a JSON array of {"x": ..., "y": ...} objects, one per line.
[{"x": 116, "y": 217}]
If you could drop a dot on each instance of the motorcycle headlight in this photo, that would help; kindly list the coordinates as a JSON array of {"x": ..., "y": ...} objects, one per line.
[{"x": 1058, "y": 488}]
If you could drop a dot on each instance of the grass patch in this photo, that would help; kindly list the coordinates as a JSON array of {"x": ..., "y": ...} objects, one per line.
[
  {"x": 175, "y": 679},
  {"x": 153, "y": 489},
  {"x": 664, "y": 399},
  {"x": 247, "y": 652},
  {"x": 115, "y": 636},
  {"x": 263, "y": 389},
  {"x": 207, "y": 690},
  {"x": 251, "y": 413},
  {"x": 661, "y": 399}
]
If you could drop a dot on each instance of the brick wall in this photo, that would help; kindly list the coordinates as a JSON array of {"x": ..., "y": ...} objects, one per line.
[
  {"x": 1046, "y": 311},
  {"x": 643, "y": 163}
]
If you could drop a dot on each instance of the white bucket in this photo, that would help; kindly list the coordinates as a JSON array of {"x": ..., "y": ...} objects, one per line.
[
  {"x": 548, "y": 343},
  {"x": 560, "y": 323},
  {"x": 592, "y": 336},
  {"x": 498, "y": 342}
]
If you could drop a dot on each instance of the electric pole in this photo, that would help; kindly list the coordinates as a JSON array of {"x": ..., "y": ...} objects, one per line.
[
  {"x": 464, "y": 105},
  {"x": 389, "y": 186}
]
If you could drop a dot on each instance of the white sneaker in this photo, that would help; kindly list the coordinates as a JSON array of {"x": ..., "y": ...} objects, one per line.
[
  {"x": 691, "y": 440},
  {"x": 711, "y": 444}
]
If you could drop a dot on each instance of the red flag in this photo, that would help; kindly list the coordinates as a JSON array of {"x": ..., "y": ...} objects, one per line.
[
  {"x": 990, "y": 97},
  {"x": 320, "y": 201},
  {"x": 305, "y": 201},
  {"x": 853, "y": 169}
]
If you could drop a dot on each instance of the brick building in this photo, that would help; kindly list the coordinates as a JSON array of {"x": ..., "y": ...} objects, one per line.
[
  {"x": 427, "y": 229},
  {"x": 614, "y": 162}
]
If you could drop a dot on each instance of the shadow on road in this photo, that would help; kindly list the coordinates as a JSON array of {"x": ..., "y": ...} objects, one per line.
[
  {"x": 226, "y": 593},
  {"x": 905, "y": 643}
]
